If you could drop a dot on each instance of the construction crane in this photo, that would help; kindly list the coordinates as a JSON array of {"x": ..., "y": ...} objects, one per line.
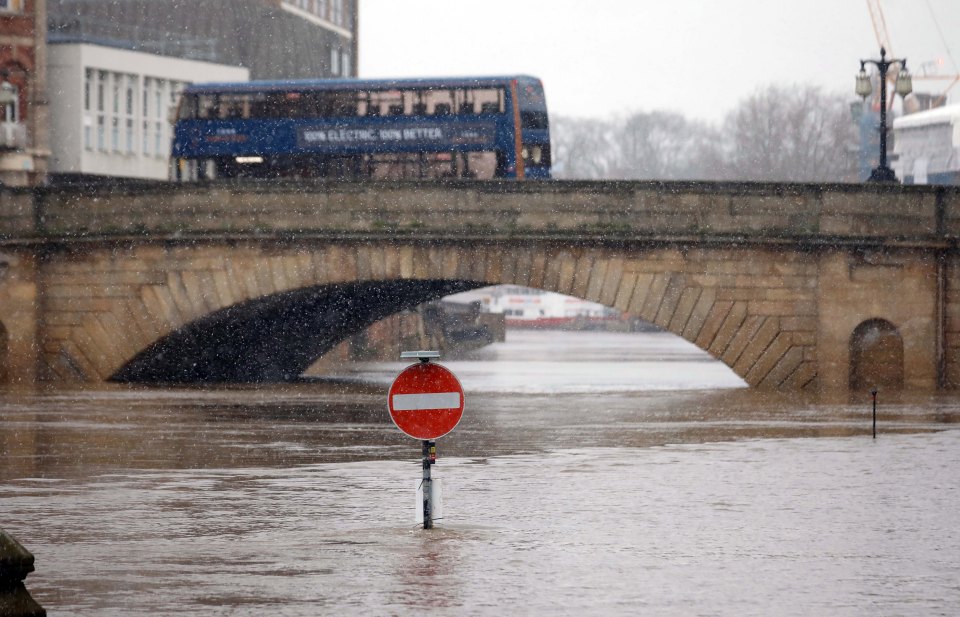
[
  {"x": 955, "y": 78},
  {"x": 879, "y": 25},
  {"x": 883, "y": 39}
]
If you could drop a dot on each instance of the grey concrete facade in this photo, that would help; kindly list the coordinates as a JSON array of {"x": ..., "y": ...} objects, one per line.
[{"x": 274, "y": 39}]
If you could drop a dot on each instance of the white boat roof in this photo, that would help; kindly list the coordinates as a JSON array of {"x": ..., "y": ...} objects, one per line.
[{"x": 948, "y": 114}]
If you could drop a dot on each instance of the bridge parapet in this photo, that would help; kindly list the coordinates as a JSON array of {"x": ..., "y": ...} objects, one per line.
[{"x": 586, "y": 210}]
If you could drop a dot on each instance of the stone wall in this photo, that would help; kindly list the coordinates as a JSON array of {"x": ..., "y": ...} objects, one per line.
[
  {"x": 951, "y": 322},
  {"x": 754, "y": 309},
  {"x": 588, "y": 210},
  {"x": 19, "y": 316},
  {"x": 16, "y": 214},
  {"x": 772, "y": 279}
]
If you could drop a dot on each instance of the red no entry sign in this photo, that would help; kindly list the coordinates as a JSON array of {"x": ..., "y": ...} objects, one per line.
[{"x": 425, "y": 400}]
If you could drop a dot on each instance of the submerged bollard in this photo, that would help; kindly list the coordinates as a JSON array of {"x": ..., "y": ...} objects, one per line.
[{"x": 16, "y": 563}]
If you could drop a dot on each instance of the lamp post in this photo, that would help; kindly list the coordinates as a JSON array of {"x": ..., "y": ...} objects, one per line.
[{"x": 903, "y": 87}]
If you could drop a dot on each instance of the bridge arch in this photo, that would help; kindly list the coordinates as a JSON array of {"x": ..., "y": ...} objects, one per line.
[
  {"x": 276, "y": 337},
  {"x": 756, "y": 313},
  {"x": 876, "y": 355}
]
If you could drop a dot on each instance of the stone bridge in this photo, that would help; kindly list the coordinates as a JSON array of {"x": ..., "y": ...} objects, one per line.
[{"x": 792, "y": 286}]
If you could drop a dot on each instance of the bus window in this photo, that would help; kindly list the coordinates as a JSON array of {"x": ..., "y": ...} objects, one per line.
[
  {"x": 410, "y": 98},
  {"x": 234, "y": 106},
  {"x": 289, "y": 105},
  {"x": 344, "y": 103},
  {"x": 362, "y": 102},
  {"x": 295, "y": 105},
  {"x": 385, "y": 101},
  {"x": 188, "y": 107},
  {"x": 482, "y": 165},
  {"x": 439, "y": 102},
  {"x": 207, "y": 106},
  {"x": 533, "y": 119},
  {"x": 265, "y": 105},
  {"x": 431, "y": 165},
  {"x": 489, "y": 100},
  {"x": 373, "y": 108}
]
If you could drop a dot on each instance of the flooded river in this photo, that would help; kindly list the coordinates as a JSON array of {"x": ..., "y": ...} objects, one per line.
[{"x": 592, "y": 474}]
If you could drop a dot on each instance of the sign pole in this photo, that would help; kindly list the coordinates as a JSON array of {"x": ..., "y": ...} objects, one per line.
[
  {"x": 429, "y": 458},
  {"x": 426, "y": 402}
]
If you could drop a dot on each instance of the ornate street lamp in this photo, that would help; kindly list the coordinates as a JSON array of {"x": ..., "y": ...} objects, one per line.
[{"x": 903, "y": 87}]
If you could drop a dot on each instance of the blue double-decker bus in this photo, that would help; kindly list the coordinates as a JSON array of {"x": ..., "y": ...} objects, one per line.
[{"x": 482, "y": 127}]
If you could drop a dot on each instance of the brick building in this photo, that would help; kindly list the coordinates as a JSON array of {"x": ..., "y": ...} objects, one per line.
[{"x": 23, "y": 100}]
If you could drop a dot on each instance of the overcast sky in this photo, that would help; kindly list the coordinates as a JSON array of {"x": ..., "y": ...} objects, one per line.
[{"x": 697, "y": 57}]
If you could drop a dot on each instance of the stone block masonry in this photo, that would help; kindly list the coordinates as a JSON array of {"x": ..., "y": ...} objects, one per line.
[{"x": 771, "y": 279}]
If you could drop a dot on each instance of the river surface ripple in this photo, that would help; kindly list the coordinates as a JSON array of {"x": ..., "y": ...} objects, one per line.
[{"x": 591, "y": 474}]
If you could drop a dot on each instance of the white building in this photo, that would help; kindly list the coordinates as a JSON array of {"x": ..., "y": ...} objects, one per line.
[
  {"x": 927, "y": 146},
  {"x": 110, "y": 108},
  {"x": 524, "y": 306}
]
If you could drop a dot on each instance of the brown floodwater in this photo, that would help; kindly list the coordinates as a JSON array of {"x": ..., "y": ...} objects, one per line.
[{"x": 592, "y": 473}]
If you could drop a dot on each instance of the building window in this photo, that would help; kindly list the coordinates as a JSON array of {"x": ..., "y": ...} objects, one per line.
[
  {"x": 101, "y": 107},
  {"x": 11, "y": 111},
  {"x": 334, "y": 60},
  {"x": 88, "y": 109},
  {"x": 116, "y": 83},
  {"x": 337, "y": 10},
  {"x": 345, "y": 65},
  {"x": 129, "y": 109},
  {"x": 11, "y": 6},
  {"x": 158, "y": 93},
  {"x": 145, "y": 116}
]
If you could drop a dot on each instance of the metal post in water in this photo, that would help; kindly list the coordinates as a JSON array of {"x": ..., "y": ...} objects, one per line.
[
  {"x": 429, "y": 457},
  {"x": 873, "y": 393}
]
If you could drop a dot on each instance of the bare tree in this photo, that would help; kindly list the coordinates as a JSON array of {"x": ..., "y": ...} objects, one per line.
[
  {"x": 664, "y": 145},
  {"x": 794, "y": 133},
  {"x": 582, "y": 148},
  {"x": 778, "y": 134}
]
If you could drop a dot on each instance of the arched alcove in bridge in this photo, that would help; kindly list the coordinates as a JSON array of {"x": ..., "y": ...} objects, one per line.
[
  {"x": 276, "y": 337},
  {"x": 876, "y": 356}
]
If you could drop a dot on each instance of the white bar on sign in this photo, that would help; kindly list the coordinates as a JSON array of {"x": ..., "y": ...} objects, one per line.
[{"x": 434, "y": 400}]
